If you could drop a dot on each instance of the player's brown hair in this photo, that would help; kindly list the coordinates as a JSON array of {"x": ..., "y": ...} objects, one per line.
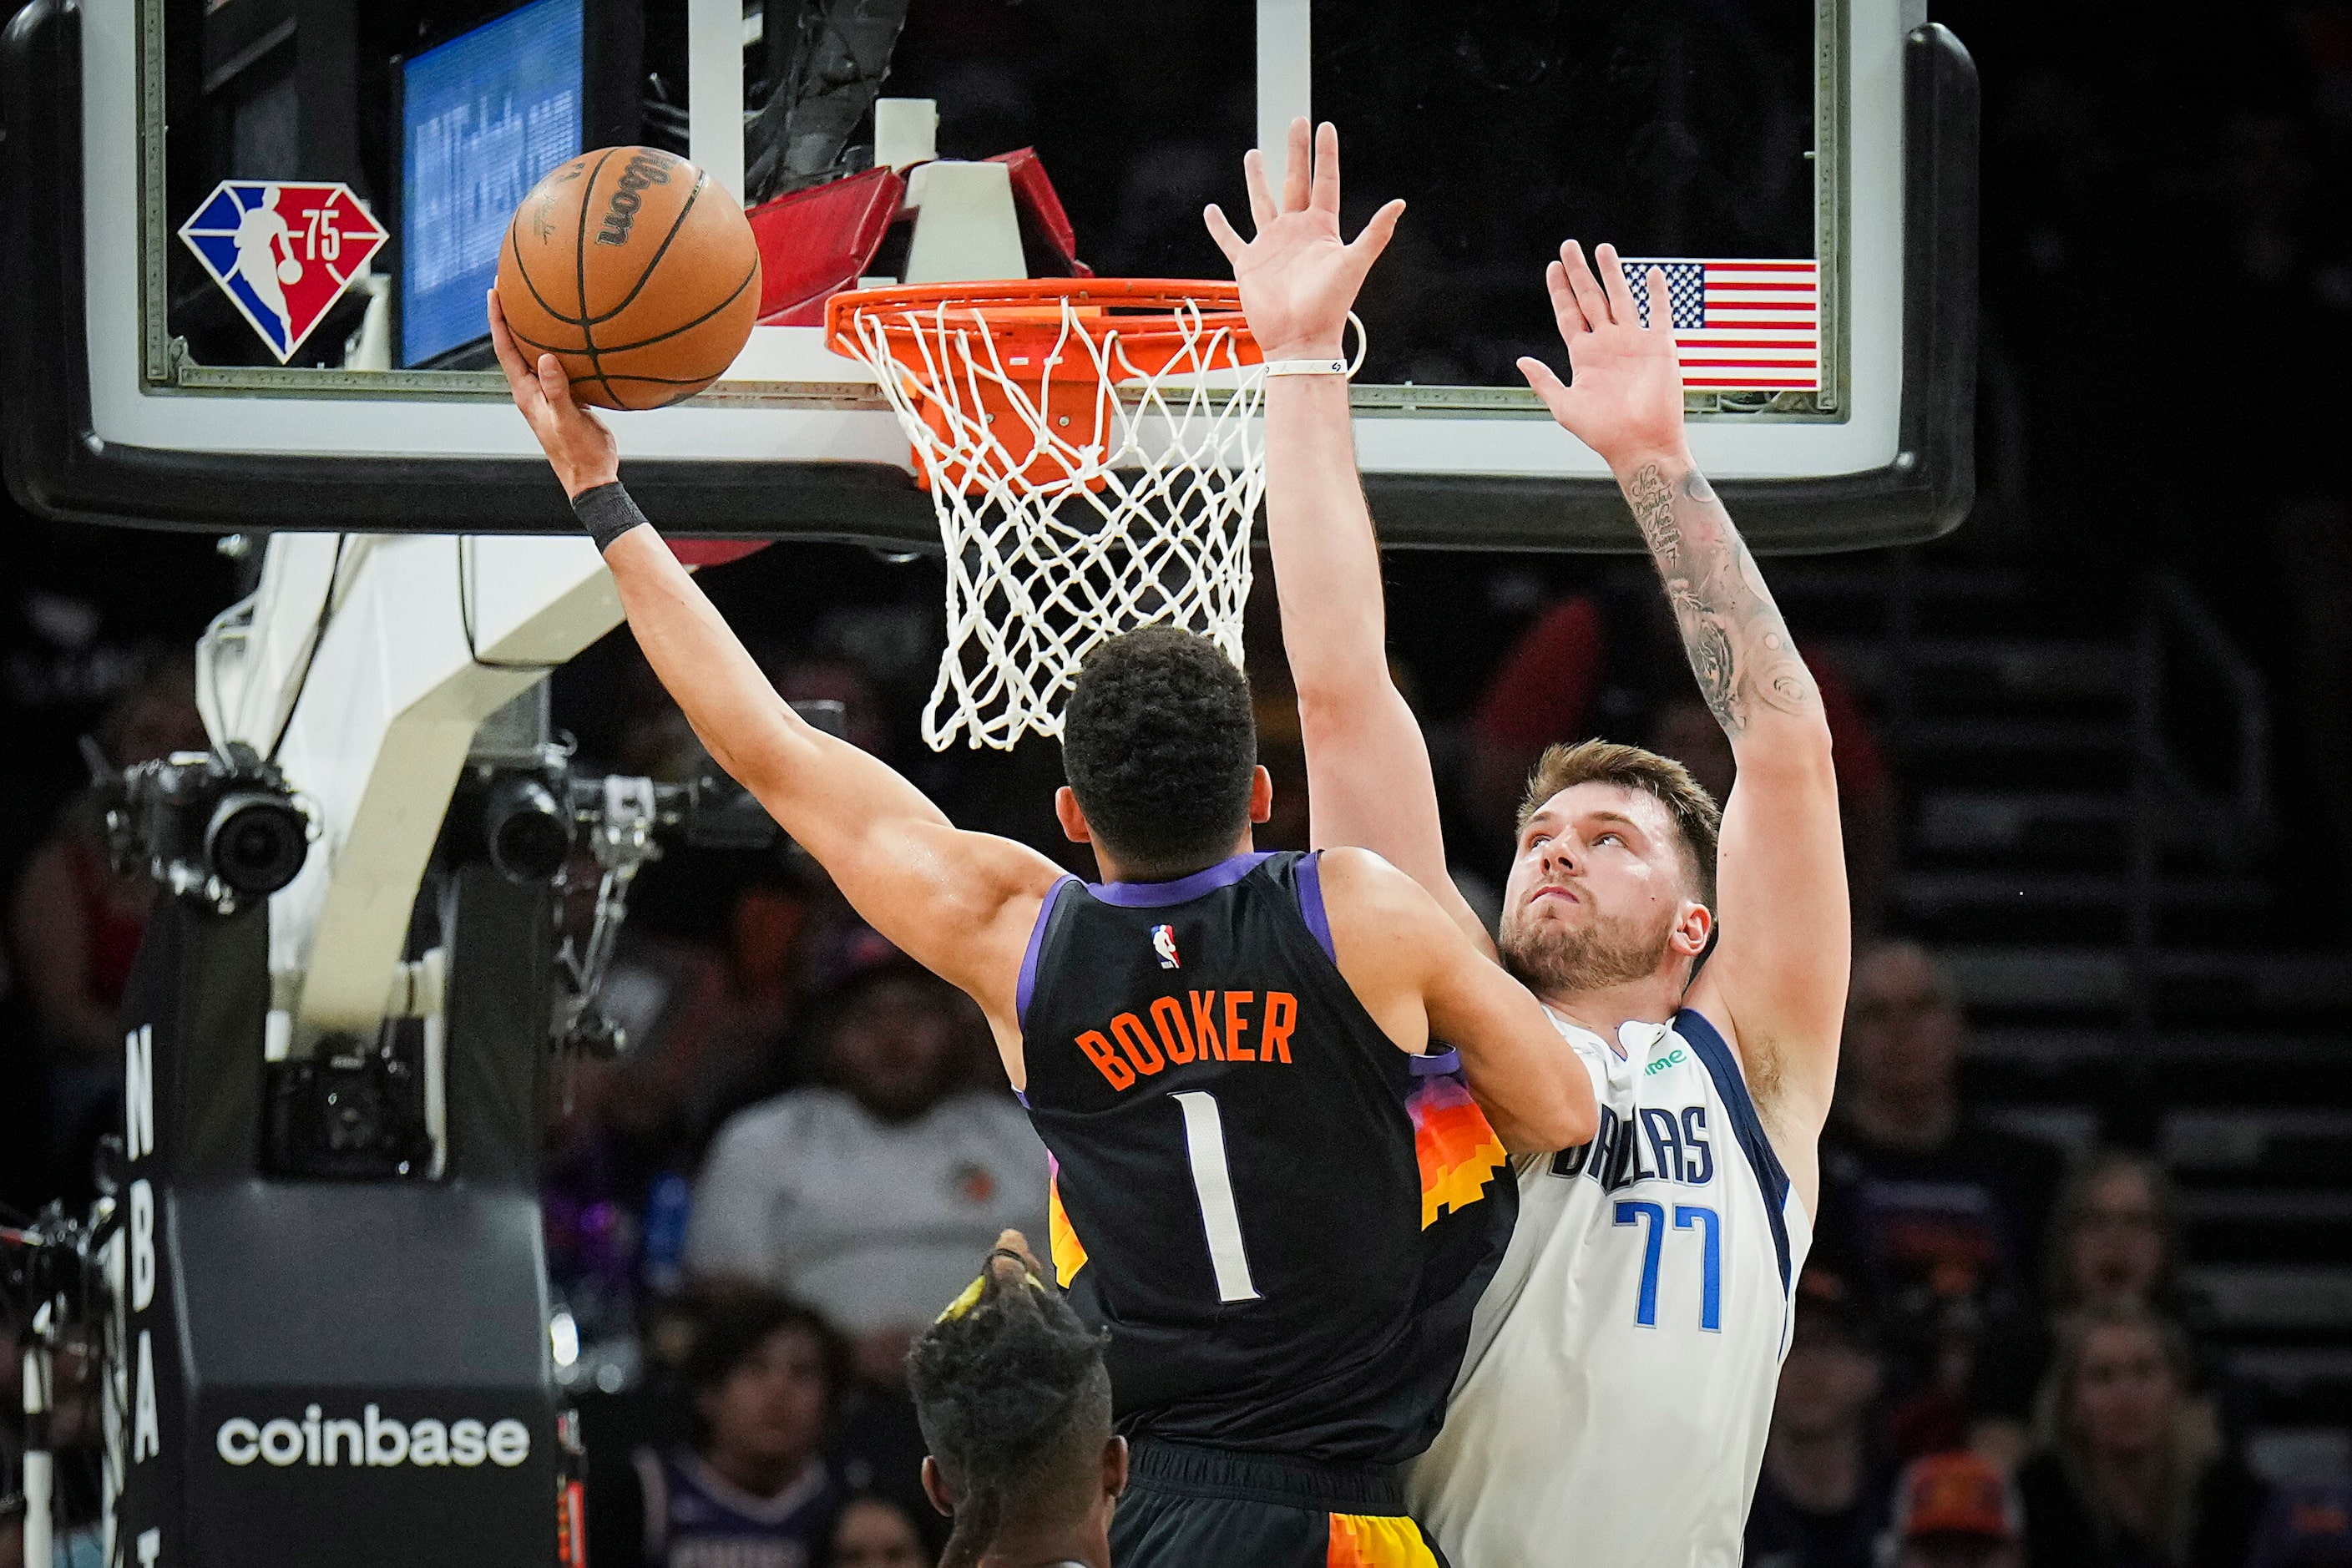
[{"x": 1698, "y": 821}]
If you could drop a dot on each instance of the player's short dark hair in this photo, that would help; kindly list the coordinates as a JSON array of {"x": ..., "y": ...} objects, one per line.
[
  {"x": 1698, "y": 821},
  {"x": 727, "y": 1321},
  {"x": 1159, "y": 742},
  {"x": 1014, "y": 1402}
]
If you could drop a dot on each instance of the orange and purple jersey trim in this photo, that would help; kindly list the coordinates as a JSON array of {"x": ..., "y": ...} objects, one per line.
[
  {"x": 1363, "y": 1541},
  {"x": 1069, "y": 1255},
  {"x": 1458, "y": 1151}
]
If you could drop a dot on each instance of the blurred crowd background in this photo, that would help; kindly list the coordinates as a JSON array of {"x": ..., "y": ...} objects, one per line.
[{"x": 2079, "y": 1296}]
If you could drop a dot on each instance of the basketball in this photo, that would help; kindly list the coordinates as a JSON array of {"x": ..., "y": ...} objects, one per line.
[{"x": 636, "y": 271}]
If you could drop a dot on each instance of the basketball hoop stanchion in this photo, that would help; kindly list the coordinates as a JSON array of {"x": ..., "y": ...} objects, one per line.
[{"x": 1094, "y": 452}]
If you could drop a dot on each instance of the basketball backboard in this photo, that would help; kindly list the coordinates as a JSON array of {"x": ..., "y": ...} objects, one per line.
[{"x": 1823, "y": 147}]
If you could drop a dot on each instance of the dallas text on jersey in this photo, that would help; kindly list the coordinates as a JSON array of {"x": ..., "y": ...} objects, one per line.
[{"x": 1676, "y": 1143}]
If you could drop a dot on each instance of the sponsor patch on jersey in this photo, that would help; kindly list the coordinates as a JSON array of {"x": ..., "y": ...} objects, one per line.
[
  {"x": 1163, "y": 943},
  {"x": 283, "y": 251}
]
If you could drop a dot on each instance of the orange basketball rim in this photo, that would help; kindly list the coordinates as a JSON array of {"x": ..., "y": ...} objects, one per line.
[{"x": 1018, "y": 379}]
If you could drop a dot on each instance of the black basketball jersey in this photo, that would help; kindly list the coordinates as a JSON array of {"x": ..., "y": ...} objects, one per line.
[{"x": 1283, "y": 1219}]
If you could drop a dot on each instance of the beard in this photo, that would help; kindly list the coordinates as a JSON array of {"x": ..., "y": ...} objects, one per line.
[{"x": 1553, "y": 960}]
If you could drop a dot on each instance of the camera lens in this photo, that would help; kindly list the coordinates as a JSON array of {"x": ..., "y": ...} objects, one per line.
[
  {"x": 354, "y": 1115},
  {"x": 255, "y": 843},
  {"x": 529, "y": 836}
]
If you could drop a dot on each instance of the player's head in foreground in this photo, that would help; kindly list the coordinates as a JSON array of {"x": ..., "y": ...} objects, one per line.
[
  {"x": 1612, "y": 880},
  {"x": 1014, "y": 1402},
  {"x": 1160, "y": 743}
]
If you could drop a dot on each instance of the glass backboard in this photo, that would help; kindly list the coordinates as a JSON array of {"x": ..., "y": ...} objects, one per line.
[
  {"x": 1816, "y": 155},
  {"x": 482, "y": 116}
]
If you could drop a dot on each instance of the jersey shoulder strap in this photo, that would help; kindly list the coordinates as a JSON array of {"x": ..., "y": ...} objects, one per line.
[{"x": 1050, "y": 916}]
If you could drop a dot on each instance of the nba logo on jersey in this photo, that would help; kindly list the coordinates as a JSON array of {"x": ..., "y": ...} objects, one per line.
[
  {"x": 283, "y": 252},
  {"x": 1163, "y": 943}
]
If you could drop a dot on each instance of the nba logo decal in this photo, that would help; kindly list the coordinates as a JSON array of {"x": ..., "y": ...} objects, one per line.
[
  {"x": 282, "y": 253},
  {"x": 1163, "y": 943}
]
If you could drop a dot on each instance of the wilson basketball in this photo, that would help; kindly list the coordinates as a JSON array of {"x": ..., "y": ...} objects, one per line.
[{"x": 636, "y": 271}]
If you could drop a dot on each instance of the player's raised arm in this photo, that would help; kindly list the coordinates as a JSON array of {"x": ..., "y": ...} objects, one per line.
[
  {"x": 1778, "y": 977},
  {"x": 1368, "y": 771},
  {"x": 1419, "y": 977},
  {"x": 960, "y": 903}
]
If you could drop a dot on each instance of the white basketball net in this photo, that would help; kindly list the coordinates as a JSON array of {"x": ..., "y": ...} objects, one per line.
[{"x": 1066, "y": 525}]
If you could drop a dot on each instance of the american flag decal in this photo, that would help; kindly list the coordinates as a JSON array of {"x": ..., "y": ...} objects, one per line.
[{"x": 1741, "y": 326}]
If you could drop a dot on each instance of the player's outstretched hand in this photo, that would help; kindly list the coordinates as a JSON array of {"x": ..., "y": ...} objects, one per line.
[
  {"x": 576, "y": 442},
  {"x": 1624, "y": 396},
  {"x": 1297, "y": 278}
]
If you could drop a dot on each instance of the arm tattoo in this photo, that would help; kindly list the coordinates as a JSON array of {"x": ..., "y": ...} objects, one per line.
[
  {"x": 1740, "y": 648},
  {"x": 1653, "y": 509}
]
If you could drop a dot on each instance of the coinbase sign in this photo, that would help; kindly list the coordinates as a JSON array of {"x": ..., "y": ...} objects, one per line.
[{"x": 374, "y": 1439}]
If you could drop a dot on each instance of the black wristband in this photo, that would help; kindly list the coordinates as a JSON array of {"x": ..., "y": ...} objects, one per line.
[{"x": 606, "y": 512}]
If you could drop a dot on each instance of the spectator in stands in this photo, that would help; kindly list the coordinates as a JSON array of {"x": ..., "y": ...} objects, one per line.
[
  {"x": 2115, "y": 1235},
  {"x": 1937, "y": 1218},
  {"x": 2129, "y": 1474},
  {"x": 1822, "y": 1498},
  {"x": 764, "y": 1377},
  {"x": 867, "y": 1197},
  {"x": 1957, "y": 1510},
  {"x": 74, "y": 926},
  {"x": 875, "y": 1533}
]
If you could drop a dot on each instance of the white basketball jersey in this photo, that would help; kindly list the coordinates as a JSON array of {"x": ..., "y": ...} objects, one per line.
[{"x": 1613, "y": 1404}]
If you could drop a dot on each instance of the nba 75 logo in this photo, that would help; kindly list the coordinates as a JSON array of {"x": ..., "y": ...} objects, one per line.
[
  {"x": 1163, "y": 943},
  {"x": 283, "y": 252}
]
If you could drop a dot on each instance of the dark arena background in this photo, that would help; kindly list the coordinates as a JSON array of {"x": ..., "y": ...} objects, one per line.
[{"x": 476, "y": 1274}]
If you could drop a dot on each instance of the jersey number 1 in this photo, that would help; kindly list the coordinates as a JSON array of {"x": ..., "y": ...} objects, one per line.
[
  {"x": 1652, "y": 1218},
  {"x": 1204, "y": 1143}
]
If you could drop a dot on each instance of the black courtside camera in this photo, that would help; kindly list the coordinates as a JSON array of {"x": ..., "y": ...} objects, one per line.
[
  {"x": 528, "y": 833},
  {"x": 213, "y": 826},
  {"x": 350, "y": 1111}
]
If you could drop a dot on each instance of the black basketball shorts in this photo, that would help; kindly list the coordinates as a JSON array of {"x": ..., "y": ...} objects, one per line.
[{"x": 1190, "y": 1507}]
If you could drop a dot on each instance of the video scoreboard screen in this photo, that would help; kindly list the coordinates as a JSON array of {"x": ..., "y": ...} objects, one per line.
[{"x": 483, "y": 116}]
